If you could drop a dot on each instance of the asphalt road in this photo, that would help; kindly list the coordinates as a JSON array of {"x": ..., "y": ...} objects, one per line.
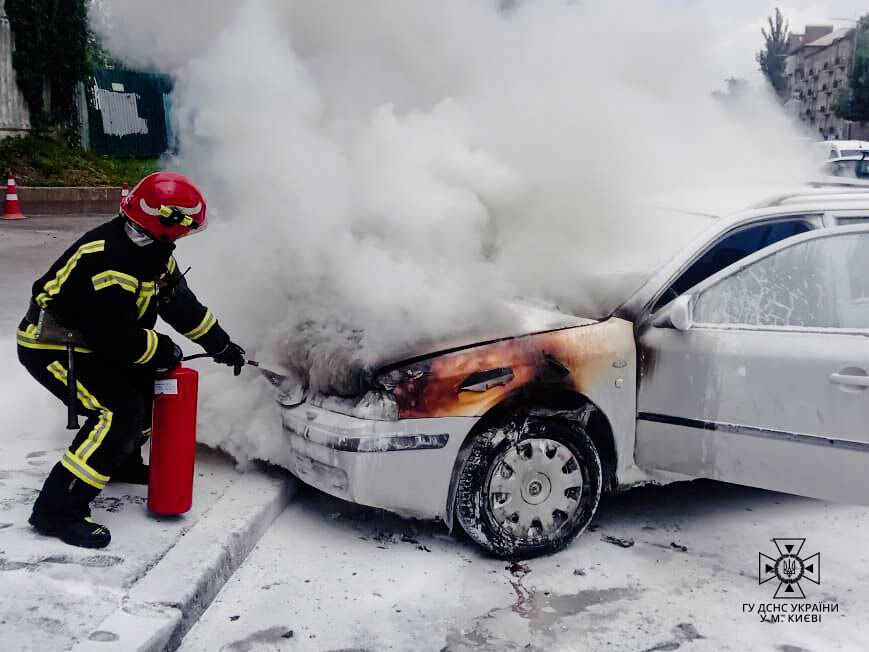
[
  {"x": 27, "y": 249},
  {"x": 663, "y": 568}
]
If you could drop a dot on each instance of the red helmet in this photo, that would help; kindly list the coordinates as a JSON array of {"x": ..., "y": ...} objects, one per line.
[{"x": 166, "y": 206}]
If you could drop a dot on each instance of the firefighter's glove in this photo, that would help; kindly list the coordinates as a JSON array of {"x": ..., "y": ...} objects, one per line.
[
  {"x": 172, "y": 360},
  {"x": 232, "y": 355}
]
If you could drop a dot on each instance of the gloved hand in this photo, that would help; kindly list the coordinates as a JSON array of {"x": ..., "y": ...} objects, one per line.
[
  {"x": 232, "y": 355},
  {"x": 172, "y": 360}
]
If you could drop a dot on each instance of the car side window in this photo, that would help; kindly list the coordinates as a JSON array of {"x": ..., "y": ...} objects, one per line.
[
  {"x": 852, "y": 220},
  {"x": 798, "y": 287},
  {"x": 732, "y": 248}
]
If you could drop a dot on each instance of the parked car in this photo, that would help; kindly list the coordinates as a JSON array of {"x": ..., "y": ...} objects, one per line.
[
  {"x": 849, "y": 170},
  {"x": 744, "y": 359},
  {"x": 841, "y": 148}
]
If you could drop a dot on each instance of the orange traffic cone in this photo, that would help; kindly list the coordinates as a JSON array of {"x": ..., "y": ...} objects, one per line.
[
  {"x": 12, "y": 210},
  {"x": 125, "y": 190}
]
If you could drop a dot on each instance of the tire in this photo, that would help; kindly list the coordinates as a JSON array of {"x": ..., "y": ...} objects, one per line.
[{"x": 491, "y": 494}]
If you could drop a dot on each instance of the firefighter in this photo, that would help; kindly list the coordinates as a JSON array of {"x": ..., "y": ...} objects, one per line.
[{"x": 97, "y": 306}]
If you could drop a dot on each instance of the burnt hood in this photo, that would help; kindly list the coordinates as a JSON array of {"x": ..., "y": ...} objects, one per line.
[
  {"x": 528, "y": 318},
  {"x": 343, "y": 363}
]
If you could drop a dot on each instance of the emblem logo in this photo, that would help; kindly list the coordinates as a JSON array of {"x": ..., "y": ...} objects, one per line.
[{"x": 789, "y": 568}]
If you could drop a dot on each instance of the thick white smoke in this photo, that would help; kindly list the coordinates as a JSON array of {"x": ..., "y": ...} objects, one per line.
[{"x": 382, "y": 171}]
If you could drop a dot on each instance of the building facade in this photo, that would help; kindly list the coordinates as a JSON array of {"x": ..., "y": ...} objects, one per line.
[
  {"x": 817, "y": 69},
  {"x": 14, "y": 118}
]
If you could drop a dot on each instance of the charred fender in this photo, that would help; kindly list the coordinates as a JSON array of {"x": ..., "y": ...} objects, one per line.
[{"x": 472, "y": 381}]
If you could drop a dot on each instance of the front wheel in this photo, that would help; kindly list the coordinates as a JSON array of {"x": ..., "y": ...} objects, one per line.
[{"x": 529, "y": 486}]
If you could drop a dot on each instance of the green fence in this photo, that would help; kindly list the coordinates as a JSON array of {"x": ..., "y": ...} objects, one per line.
[{"x": 126, "y": 114}]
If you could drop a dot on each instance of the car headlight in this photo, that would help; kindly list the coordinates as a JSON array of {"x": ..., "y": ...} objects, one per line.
[
  {"x": 376, "y": 405},
  {"x": 393, "y": 378},
  {"x": 292, "y": 395}
]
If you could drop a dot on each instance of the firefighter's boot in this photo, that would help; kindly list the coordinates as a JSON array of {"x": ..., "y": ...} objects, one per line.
[{"x": 62, "y": 510}]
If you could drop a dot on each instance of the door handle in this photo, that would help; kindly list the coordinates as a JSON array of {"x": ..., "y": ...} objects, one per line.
[{"x": 849, "y": 379}]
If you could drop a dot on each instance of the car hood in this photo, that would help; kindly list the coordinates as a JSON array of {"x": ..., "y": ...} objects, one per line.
[
  {"x": 528, "y": 318},
  {"x": 339, "y": 366}
]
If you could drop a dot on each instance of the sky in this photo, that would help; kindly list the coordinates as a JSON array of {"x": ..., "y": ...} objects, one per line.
[{"x": 736, "y": 25}]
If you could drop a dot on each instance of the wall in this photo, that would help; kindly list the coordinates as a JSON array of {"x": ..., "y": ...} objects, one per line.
[
  {"x": 827, "y": 72},
  {"x": 14, "y": 118},
  {"x": 127, "y": 114}
]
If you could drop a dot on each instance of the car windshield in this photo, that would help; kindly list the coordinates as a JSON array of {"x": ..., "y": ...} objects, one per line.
[
  {"x": 657, "y": 235},
  {"x": 851, "y": 152}
]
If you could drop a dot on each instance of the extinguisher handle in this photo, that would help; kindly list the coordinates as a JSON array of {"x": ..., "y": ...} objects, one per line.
[{"x": 275, "y": 379}]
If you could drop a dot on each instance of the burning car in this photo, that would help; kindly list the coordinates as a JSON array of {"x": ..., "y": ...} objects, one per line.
[{"x": 744, "y": 359}]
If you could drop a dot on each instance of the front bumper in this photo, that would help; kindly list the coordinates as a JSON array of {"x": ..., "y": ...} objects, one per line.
[{"x": 402, "y": 466}]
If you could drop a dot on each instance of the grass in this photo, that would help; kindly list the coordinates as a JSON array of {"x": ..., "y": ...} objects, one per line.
[{"x": 43, "y": 160}]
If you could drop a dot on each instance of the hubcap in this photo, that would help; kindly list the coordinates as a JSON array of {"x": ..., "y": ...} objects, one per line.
[{"x": 535, "y": 487}]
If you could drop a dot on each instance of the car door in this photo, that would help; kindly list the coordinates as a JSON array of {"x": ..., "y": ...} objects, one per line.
[{"x": 767, "y": 383}]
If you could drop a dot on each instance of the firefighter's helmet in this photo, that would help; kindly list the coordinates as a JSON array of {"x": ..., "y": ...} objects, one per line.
[{"x": 166, "y": 206}]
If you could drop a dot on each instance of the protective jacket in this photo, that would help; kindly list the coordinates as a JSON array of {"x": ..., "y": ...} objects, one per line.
[{"x": 104, "y": 294}]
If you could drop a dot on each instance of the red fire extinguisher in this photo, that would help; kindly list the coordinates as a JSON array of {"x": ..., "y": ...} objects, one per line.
[{"x": 173, "y": 441}]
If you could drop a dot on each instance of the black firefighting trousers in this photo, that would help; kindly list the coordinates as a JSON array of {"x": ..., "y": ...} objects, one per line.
[{"x": 115, "y": 400}]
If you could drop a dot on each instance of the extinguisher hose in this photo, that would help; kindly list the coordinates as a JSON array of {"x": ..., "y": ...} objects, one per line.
[
  {"x": 199, "y": 356},
  {"x": 274, "y": 378}
]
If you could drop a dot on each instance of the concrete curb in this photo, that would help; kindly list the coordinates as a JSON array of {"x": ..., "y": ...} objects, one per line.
[
  {"x": 162, "y": 606},
  {"x": 83, "y": 200}
]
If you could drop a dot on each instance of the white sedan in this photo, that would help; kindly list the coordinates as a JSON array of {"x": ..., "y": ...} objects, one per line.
[{"x": 745, "y": 359}]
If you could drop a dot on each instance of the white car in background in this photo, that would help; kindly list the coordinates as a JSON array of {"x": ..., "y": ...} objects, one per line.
[
  {"x": 841, "y": 148},
  {"x": 849, "y": 171},
  {"x": 744, "y": 358}
]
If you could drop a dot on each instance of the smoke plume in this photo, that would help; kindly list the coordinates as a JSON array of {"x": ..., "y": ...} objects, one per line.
[{"x": 379, "y": 172}]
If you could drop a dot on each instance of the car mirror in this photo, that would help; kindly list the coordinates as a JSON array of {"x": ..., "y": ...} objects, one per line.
[{"x": 679, "y": 313}]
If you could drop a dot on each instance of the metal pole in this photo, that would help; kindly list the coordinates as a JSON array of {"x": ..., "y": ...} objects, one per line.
[
  {"x": 851, "y": 70},
  {"x": 72, "y": 390}
]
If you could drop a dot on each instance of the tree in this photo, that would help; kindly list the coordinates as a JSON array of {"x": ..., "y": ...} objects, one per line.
[
  {"x": 852, "y": 103},
  {"x": 51, "y": 42},
  {"x": 772, "y": 58}
]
